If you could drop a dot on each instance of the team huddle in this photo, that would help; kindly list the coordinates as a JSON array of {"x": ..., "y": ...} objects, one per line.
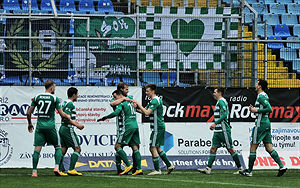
[{"x": 125, "y": 108}]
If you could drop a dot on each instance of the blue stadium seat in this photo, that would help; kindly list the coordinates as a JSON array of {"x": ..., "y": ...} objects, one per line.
[
  {"x": 11, "y": 5},
  {"x": 292, "y": 44},
  {"x": 296, "y": 66},
  {"x": 46, "y": 5},
  {"x": 25, "y": 5},
  {"x": 2, "y": 19},
  {"x": 275, "y": 45},
  {"x": 56, "y": 80},
  {"x": 288, "y": 54},
  {"x": 19, "y": 11},
  {"x": 273, "y": 19},
  {"x": 116, "y": 13},
  {"x": 286, "y": 2},
  {"x": 34, "y": 80},
  {"x": 67, "y": 5},
  {"x": 92, "y": 81},
  {"x": 297, "y": 1},
  {"x": 113, "y": 81},
  {"x": 249, "y": 17},
  {"x": 252, "y": 1},
  {"x": 128, "y": 80},
  {"x": 72, "y": 80},
  {"x": 267, "y": 1},
  {"x": 40, "y": 12},
  {"x": 151, "y": 77},
  {"x": 296, "y": 30},
  {"x": 86, "y": 6},
  {"x": 260, "y": 8},
  {"x": 172, "y": 79},
  {"x": 276, "y": 8},
  {"x": 293, "y": 8},
  {"x": 261, "y": 30},
  {"x": 246, "y": 10},
  {"x": 105, "y": 6},
  {"x": 11, "y": 80},
  {"x": 282, "y": 30},
  {"x": 289, "y": 19}
]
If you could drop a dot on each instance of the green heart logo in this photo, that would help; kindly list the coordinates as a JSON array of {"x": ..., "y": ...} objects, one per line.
[{"x": 192, "y": 30}]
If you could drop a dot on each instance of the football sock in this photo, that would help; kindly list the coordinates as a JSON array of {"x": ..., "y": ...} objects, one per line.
[
  {"x": 236, "y": 159},
  {"x": 137, "y": 159},
  {"x": 211, "y": 159},
  {"x": 252, "y": 158},
  {"x": 57, "y": 155},
  {"x": 73, "y": 160},
  {"x": 61, "y": 163},
  {"x": 118, "y": 162},
  {"x": 156, "y": 163},
  {"x": 164, "y": 157},
  {"x": 35, "y": 159},
  {"x": 276, "y": 158},
  {"x": 134, "y": 164},
  {"x": 123, "y": 156}
]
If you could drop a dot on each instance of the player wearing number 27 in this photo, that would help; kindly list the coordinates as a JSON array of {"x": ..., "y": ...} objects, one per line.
[{"x": 46, "y": 130}]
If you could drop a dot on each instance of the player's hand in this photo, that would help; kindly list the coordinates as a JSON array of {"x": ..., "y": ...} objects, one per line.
[
  {"x": 80, "y": 126},
  {"x": 252, "y": 109},
  {"x": 101, "y": 119},
  {"x": 230, "y": 126},
  {"x": 30, "y": 128},
  {"x": 212, "y": 127}
]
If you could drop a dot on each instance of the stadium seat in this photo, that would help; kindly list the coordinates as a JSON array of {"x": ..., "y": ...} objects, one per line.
[
  {"x": 40, "y": 12},
  {"x": 267, "y": 1},
  {"x": 34, "y": 80},
  {"x": 273, "y": 19},
  {"x": 92, "y": 81},
  {"x": 25, "y": 5},
  {"x": 276, "y": 8},
  {"x": 252, "y": 1},
  {"x": 116, "y": 13},
  {"x": 19, "y": 11},
  {"x": 261, "y": 30},
  {"x": 288, "y": 54},
  {"x": 67, "y": 5},
  {"x": 275, "y": 45},
  {"x": 296, "y": 30},
  {"x": 293, "y": 8},
  {"x": 113, "y": 81},
  {"x": 260, "y": 8},
  {"x": 11, "y": 5},
  {"x": 46, "y": 5},
  {"x": 128, "y": 80},
  {"x": 289, "y": 19},
  {"x": 249, "y": 17},
  {"x": 11, "y": 80},
  {"x": 86, "y": 6},
  {"x": 56, "y": 80},
  {"x": 72, "y": 80},
  {"x": 292, "y": 44},
  {"x": 172, "y": 77},
  {"x": 282, "y": 30},
  {"x": 151, "y": 77},
  {"x": 286, "y": 2},
  {"x": 105, "y": 6},
  {"x": 296, "y": 66}
]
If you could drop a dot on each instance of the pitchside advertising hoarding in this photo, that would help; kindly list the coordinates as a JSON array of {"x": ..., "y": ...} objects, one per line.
[{"x": 188, "y": 114}]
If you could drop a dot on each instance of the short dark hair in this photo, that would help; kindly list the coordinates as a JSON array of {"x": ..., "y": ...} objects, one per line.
[
  {"x": 117, "y": 92},
  {"x": 263, "y": 83},
  {"x": 48, "y": 84},
  {"x": 221, "y": 90},
  {"x": 151, "y": 86},
  {"x": 71, "y": 91},
  {"x": 122, "y": 85}
]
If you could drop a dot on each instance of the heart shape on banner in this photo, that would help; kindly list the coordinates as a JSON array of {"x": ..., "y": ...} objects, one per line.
[{"x": 192, "y": 30}]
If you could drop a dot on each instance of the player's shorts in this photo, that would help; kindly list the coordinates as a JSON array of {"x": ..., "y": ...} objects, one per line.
[
  {"x": 222, "y": 139},
  {"x": 261, "y": 134},
  {"x": 157, "y": 138},
  {"x": 68, "y": 137},
  {"x": 49, "y": 136},
  {"x": 129, "y": 137}
]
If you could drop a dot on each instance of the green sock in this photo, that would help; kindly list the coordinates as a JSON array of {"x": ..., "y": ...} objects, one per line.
[
  {"x": 57, "y": 155},
  {"x": 118, "y": 162},
  {"x": 236, "y": 159},
  {"x": 134, "y": 164},
  {"x": 137, "y": 158},
  {"x": 35, "y": 159},
  {"x": 156, "y": 163},
  {"x": 211, "y": 159},
  {"x": 123, "y": 156},
  {"x": 164, "y": 157},
  {"x": 276, "y": 158},
  {"x": 252, "y": 158},
  {"x": 73, "y": 160},
  {"x": 61, "y": 163}
]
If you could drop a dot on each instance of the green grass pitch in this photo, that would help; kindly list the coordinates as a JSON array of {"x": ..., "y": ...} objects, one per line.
[{"x": 21, "y": 177}]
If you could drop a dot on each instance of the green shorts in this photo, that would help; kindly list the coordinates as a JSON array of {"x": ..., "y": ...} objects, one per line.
[
  {"x": 49, "y": 136},
  {"x": 261, "y": 134},
  {"x": 222, "y": 139},
  {"x": 129, "y": 137},
  {"x": 157, "y": 138},
  {"x": 68, "y": 137}
]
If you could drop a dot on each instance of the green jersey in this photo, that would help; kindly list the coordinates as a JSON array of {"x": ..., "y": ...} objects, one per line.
[
  {"x": 46, "y": 104},
  {"x": 263, "y": 109},
  {"x": 119, "y": 119},
  {"x": 69, "y": 108},
  {"x": 156, "y": 117},
  {"x": 221, "y": 115},
  {"x": 128, "y": 113}
]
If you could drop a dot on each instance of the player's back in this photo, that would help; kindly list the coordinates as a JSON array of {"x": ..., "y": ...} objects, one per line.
[
  {"x": 156, "y": 117},
  {"x": 262, "y": 119},
  {"x": 129, "y": 115},
  {"x": 46, "y": 104},
  {"x": 69, "y": 108}
]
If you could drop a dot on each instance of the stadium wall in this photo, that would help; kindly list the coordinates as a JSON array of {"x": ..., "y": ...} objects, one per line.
[{"x": 187, "y": 143}]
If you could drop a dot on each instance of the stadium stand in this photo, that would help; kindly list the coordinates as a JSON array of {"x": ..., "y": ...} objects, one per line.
[
  {"x": 25, "y": 5},
  {"x": 275, "y": 45},
  {"x": 293, "y": 8},
  {"x": 288, "y": 54},
  {"x": 273, "y": 19},
  {"x": 11, "y": 5},
  {"x": 276, "y": 8},
  {"x": 289, "y": 19},
  {"x": 86, "y": 6},
  {"x": 261, "y": 30},
  {"x": 296, "y": 30},
  {"x": 282, "y": 30},
  {"x": 292, "y": 44},
  {"x": 67, "y": 5}
]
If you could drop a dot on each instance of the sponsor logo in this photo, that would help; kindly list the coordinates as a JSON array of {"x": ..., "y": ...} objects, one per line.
[
  {"x": 6, "y": 150},
  {"x": 169, "y": 142}
]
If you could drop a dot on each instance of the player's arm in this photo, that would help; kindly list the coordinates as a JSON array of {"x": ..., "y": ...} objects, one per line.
[
  {"x": 266, "y": 105},
  {"x": 146, "y": 111},
  {"x": 29, "y": 112},
  {"x": 113, "y": 114},
  {"x": 118, "y": 101},
  {"x": 223, "y": 111},
  {"x": 69, "y": 120}
]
